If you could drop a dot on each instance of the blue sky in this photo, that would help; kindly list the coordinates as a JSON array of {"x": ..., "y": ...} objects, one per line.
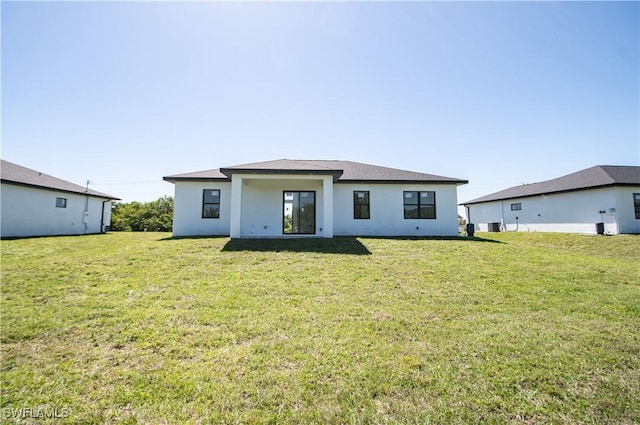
[{"x": 499, "y": 93}]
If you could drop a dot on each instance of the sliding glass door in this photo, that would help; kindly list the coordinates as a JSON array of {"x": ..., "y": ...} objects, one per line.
[{"x": 299, "y": 213}]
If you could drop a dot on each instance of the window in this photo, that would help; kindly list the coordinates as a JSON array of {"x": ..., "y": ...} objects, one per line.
[
  {"x": 516, "y": 207},
  {"x": 61, "y": 202},
  {"x": 211, "y": 203},
  {"x": 419, "y": 205},
  {"x": 361, "y": 208},
  {"x": 636, "y": 204}
]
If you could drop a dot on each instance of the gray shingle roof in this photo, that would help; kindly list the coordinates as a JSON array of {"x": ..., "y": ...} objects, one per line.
[
  {"x": 598, "y": 176},
  {"x": 283, "y": 165},
  {"x": 198, "y": 175},
  {"x": 357, "y": 172},
  {"x": 16, "y": 174},
  {"x": 343, "y": 171}
]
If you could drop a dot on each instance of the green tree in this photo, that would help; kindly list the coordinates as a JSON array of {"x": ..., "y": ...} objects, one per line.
[{"x": 154, "y": 216}]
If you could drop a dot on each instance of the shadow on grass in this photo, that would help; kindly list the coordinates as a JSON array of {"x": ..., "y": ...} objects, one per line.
[
  {"x": 177, "y": 238},
  {"x": 14, "y": 238},
  {"x": 337, "y": 245},
  {"x": 434, "y": 238}
]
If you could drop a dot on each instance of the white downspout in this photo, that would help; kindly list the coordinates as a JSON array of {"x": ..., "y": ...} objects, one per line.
[{"x": 85, "y": 215}]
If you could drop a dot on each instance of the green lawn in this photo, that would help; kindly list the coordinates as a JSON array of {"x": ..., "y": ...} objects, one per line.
[{"x": 141, "y": 328}]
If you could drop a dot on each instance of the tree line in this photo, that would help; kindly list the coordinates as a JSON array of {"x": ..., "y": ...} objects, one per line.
[{"x": 154, "y": 216}]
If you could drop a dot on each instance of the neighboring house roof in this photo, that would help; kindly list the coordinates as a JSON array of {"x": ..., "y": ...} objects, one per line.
[
  {"x": 343, "y": 172},
  {"x": 594, "y": 177},
  {"x": 16, "y": 174}
]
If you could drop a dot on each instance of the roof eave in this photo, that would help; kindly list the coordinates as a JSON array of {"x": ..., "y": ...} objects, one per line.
[
  {"x": 402, "y": 181},
  {"x": 55, "y": 189},
  {"x": 173, "y": 179}
]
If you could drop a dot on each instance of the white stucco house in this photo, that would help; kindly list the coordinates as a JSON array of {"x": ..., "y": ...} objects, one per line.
[
  {"x": 602, "y": 199},
  {"x": 313, "y": 198},
  {"x": 36, "y": 204}
]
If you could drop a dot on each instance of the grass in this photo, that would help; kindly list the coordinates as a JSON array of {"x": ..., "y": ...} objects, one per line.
[{"x": 141, "y": 328}]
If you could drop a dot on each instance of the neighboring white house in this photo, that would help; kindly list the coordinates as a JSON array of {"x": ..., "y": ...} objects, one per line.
[
  {"x": 292, "y": 198},
  {"x": 36, "y": 204},
  {"x": 600, "y": 199}
]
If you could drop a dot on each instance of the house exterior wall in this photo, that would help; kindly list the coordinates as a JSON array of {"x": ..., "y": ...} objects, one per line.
[
  {"x": 571, "y": 212},
  {"x": 625, "y": 212},
  {"x": 387, "y": 211},
  {"x": 261, "y": 208},
  {"x": 187, "y": 209},
  {"x": 30, "y": 211}
]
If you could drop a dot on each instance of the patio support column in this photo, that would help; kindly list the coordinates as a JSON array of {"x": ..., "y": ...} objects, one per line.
[
  {"x": 327, "y": 193},
  {"x": 235, "y": 219}
]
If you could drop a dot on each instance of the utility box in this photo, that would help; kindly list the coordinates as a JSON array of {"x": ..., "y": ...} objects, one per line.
[
  {"x": 471, "y": 229},
  {"x": 494, "y": 227},
  {"x": 600, "y": 228}
]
